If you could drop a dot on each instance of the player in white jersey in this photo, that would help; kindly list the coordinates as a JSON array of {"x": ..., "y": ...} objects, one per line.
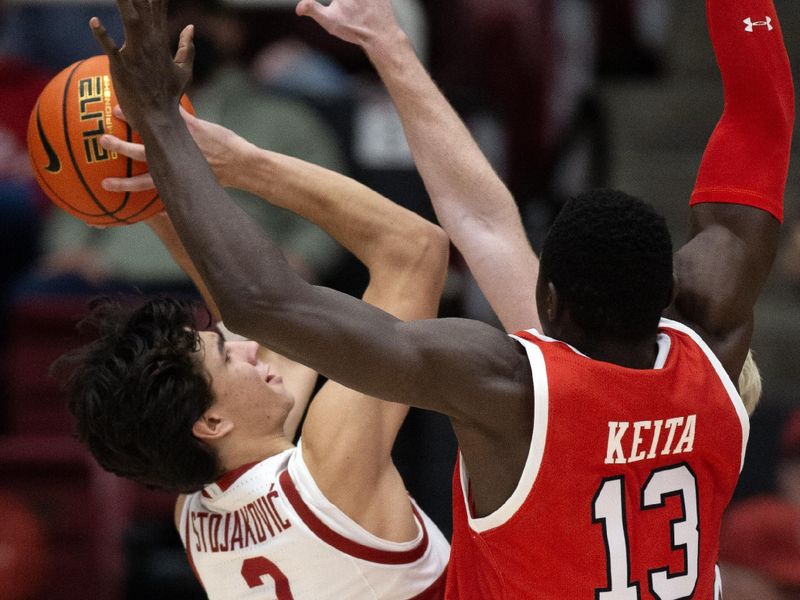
[
  {"x": 330, "y": 518},
  {"x": 270, "y": 528}
]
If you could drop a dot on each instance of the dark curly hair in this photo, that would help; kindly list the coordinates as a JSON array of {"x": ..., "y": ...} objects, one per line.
[
  {"x": 609, "y": 256},
  {"x": 137, "y": 390}
]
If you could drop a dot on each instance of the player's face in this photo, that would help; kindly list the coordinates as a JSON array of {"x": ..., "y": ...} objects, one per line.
[{"x": 249, "y": 391}]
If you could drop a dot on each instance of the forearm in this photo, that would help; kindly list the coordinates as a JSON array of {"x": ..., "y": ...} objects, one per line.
[
  {"x": 377, "y": 231},
  {"x": 228, "y": 250},
  {"x": 471, "y": 202},
  {"x": 746, "y": 161},
  {"x": 163, "y": 228},
  {"x": 737, "y": 203},
  {"x": 747, "y": 158},
  {"x": 258, "y": 294},
  {"x": 457, "y": 175}
]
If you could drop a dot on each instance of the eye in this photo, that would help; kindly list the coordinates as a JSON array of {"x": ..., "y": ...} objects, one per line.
[{"x": 227, "y": 356}]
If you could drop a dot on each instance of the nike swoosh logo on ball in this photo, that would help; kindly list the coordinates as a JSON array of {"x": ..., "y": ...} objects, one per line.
[{"x": 55, "y": 163}]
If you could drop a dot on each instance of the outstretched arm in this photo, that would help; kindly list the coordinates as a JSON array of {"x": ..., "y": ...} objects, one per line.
[
  {"x": 471, "y": 202},
  {"x": 467, "y": 370},
  {"x": 407, "y": 260},
  {"x": 470, "y": 371},
  {"x": 406, "y": 257},
  {"x": 737, "y": 204}
]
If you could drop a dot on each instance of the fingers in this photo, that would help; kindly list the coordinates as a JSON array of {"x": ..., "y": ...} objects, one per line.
[
  {"x": 128, "y": 10},
  {"x": 184, "y": 57},
  {"x": 131, "y": 18},
  {"x": 141, "y": 16},
  {"x": 117, "y": 112},
  {"x": 101, "y": 35},
  {"x": 310, "y": 8},
  {"x": 187, "y": 116},
  {"x": 129, "y": 149},
  {"x": 158, "y": 14},
  {"x": 159, "y": 9},
  {"x": 138, "y": 183}
]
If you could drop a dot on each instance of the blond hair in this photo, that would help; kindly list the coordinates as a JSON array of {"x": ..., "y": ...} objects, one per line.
[{"x": 750, "y": 383}]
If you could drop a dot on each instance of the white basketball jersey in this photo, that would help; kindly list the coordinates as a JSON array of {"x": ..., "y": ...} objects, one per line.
[{"x": 266, "y": 531}]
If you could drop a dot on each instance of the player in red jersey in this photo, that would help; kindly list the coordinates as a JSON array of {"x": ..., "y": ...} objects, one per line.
[
  {"x": 595, "y": 462},
  {"x": 479, "y": 223}
]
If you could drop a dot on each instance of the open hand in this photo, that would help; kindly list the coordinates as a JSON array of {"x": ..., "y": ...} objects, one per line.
[
  {"x": 148, "y": 80},
  {"x": 361, "y": 22},
  {"x": 220, "y": 146}
]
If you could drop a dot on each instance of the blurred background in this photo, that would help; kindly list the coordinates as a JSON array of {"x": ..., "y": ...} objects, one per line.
[{"x": 562, "y": 95}]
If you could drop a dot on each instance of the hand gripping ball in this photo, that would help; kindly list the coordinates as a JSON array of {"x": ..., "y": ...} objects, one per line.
[{"x": 64, "y": 131}]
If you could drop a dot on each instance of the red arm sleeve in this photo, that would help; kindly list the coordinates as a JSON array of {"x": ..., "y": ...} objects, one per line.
[{"x": 747, "y": 158}]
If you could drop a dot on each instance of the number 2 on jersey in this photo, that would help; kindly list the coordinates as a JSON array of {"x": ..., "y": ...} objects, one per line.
[
  {"x": 253, "y": 569},
  {"x": 608, "y": 508}
]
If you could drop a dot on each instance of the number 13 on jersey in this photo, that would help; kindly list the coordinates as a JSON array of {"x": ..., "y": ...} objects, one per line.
[{"x": 609, "y": 511}]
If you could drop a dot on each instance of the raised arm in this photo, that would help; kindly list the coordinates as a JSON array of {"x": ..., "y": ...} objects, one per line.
[
  {"x": 737, "y": 204},
  {"x": 407, "y": 260},
  {"x": 471, "y": 202},
  {"x": 467, "y": 370}
]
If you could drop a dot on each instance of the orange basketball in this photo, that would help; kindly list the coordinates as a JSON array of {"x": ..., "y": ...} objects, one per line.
[{"x": 64, "y": 131}]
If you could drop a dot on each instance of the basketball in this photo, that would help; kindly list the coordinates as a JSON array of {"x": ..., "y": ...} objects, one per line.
[{"x": 64, "y": 131}]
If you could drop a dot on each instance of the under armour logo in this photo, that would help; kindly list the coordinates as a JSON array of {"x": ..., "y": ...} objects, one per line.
[{"x": 767, "y": 22}]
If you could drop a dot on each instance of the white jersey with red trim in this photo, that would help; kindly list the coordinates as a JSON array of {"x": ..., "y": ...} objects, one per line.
[{"x": 267, "y": 531}]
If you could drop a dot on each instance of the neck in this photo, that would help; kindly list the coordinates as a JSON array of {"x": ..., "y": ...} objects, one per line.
[
  {"x": 240, "y": 452},
  {"x": 630, "y": 354}
]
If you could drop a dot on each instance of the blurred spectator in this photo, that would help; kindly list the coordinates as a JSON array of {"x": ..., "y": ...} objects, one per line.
[
  {"x": 53, "y": 35},
  {"x": 488, "y": 53},
  {"x": 352, "y": 101},
  {"x": 21, "y": 202},
  {"x": 760, "y": 539},
  {"x": 20, "y": 86},
  {"x": 760, "y": 550},
  {"x": 788, "y": 474},
  {"x": 86, "y": 261},
  {"x": 23, "y": 549},
  {"x": 292, "y": 66}
]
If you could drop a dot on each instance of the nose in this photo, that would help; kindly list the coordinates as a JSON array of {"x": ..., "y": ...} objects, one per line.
[
  {"x": 246, "y": 350},
  {"x": 251, "y": 352}
]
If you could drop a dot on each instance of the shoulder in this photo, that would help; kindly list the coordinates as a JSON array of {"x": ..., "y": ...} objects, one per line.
[{"x": 180, "y": 503}]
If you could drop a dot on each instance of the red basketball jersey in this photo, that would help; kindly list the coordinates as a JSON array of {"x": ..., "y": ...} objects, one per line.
[{"x": 627, "y": 477}]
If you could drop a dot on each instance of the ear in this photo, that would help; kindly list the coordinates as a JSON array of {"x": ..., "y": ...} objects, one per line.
[{"x": 211, "y": 427}]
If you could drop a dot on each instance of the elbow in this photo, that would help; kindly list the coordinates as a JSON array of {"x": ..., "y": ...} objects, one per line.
[
  {"x": 418, "y": 246},
  {"x": 427, "y": 250},
  {"x": 437, "y": 249}
]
